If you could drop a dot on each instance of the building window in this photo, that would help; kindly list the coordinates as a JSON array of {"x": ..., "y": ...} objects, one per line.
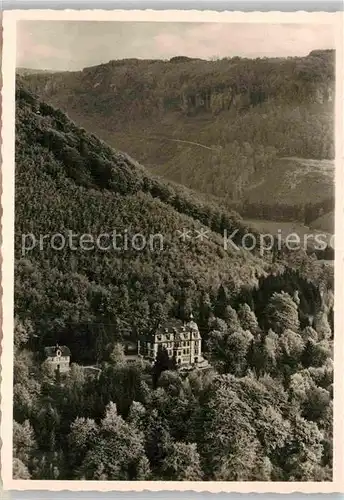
[
  {"x": 179, "y": 361},
  {"x": 184, "y": 351},
  {"x": 196, "y": 360},
  {"x": 187, "y": 351}
]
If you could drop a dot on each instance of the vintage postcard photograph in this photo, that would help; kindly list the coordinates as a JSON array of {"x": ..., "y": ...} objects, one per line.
[{"x": 169, "y": 188}]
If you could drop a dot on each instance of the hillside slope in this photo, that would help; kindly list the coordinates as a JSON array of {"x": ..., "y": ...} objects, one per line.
[
  {"x": 287, "y": 185},
  {"x": 239, "y": 116},
  {"x": 67, "y": 180},
  {"x": 263, "y": 408}
]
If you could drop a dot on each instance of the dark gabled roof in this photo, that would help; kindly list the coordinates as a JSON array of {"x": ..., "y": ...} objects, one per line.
[
  {"x": 51, "y": 350},
  {"x": 174, "y": 326}
]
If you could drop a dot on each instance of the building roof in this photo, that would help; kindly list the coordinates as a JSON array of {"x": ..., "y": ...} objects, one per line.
[
  {"x": 50, "y": 351},
  {"x": 193, "y": 325}
]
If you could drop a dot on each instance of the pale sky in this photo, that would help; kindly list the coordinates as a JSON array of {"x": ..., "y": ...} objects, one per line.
[{"x": 73, "y": 45}]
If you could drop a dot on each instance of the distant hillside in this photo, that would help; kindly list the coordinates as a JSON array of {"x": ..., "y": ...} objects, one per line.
[
  {"x": 193, "y": 86},
  {"x": 215, "y": 126},
  {"x": 68, "y": 180}
]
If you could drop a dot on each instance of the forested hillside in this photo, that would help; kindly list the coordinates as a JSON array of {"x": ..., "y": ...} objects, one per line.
[
  {"x": 243, "y": 114},
  {"x": 263, "y": 411}
]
